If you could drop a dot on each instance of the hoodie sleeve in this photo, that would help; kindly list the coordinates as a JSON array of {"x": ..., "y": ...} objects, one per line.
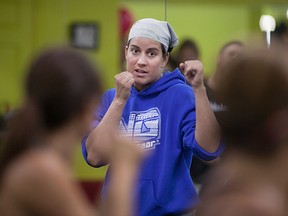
[
  {"x": 188, "y": 132},
  {"x": 207, "y": 156},
  {"x": 97, "y": 117}
]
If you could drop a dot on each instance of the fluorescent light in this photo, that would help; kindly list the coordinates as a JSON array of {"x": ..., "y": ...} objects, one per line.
[{"x": 267, "y": 23}]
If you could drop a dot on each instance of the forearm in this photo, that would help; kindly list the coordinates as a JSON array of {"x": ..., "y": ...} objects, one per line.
[
  {"x": 207, "y": 133},
  {"x": 120, "y": 193},
  {"x": 99, "y": 140}
]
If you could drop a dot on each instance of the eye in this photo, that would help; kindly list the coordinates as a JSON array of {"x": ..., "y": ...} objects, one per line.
[
  {"x": 134, "y": 50},
  {"x": 152, "y": 54}
]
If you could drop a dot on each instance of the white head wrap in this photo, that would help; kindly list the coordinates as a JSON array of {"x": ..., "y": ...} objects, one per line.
[{"x": 160, "y": 31}]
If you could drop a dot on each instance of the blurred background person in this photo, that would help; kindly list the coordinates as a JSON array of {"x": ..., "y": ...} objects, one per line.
[
  {"x": 229, "y": 52},
  {"x": 62, "y": 89},
  {"x": 251, "y": 177},
  {"x": 187, "y": 50}
]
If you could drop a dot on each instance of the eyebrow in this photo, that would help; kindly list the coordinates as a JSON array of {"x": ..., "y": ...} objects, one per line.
[
  {"x": 149, "y": 49},
  {"x": 134, "y": 46},
  {"x": 153, "y": 49}
]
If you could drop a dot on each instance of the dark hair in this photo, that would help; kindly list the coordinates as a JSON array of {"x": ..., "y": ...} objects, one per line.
[
  {"x": 253, "y": 87},
  {"x": 168, "y": 51},
  {"x": 233, "y": 42},
  {"x": 280, "y": 35},
  {"x": 189, "y": 43},
  {"x": 280, "y": 29},
  {"x": 59, "y": 85}
]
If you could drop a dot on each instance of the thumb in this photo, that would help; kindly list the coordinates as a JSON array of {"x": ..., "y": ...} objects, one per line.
[{"x": 182, "y": 67}]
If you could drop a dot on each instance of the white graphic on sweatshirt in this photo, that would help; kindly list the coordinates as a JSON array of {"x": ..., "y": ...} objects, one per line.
[
  {"x": 144, "y": 126},
  {"x": 217, "y": 107}
]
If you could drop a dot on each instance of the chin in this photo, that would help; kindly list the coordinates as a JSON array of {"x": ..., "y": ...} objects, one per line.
[{"x": 141, "y": 85}]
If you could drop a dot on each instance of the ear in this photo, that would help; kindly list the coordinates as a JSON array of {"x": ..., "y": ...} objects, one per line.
[
  {"x": 126, "y": 52},
  {"x": 165, "y": 59}
]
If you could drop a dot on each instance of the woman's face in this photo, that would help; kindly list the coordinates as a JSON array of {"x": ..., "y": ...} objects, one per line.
[{"x": 145, "y": 61}]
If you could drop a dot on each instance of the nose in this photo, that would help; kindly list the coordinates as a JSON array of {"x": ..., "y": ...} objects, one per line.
[{"x": 142, "y": 60}]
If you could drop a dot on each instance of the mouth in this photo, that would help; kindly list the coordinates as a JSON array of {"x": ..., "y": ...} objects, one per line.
[{"x": 140, "y": 73}]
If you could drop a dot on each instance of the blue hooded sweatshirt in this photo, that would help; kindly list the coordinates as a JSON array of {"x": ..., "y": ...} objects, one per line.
[{"x": 162, "y": 119}]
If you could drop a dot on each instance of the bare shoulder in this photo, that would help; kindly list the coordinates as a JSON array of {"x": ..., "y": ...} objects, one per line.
[
  {"x": 24, "y": 180},
  {"x": 34, "y": 168},
  {"x": 41, "y": 183}
]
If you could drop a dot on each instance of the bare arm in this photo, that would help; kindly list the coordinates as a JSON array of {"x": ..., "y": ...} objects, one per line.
[
  {"x": 100, "y": 136},
  {"x": 124, "y": 165},
  {"x": 207, "y": 131}
]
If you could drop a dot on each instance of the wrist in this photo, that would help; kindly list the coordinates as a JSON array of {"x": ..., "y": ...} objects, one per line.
[
  {"x": 119, "y": 101},
  {"x": 200, "y": 88}
]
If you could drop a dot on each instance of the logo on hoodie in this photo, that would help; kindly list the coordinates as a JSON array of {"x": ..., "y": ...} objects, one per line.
[{"x": 144, "y": 126}]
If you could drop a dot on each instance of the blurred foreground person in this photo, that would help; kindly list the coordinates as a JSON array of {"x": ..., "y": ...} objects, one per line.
[
  {"x": 62, "y": 89},
  {"x": 251, "y": 178}
]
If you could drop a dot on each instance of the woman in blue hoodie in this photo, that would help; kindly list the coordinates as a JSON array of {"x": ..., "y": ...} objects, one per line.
[{"x": 159, "y": 111}]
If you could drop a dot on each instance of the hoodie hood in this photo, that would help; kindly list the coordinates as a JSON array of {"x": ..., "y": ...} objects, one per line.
[{"x": 166, "y": 81}]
